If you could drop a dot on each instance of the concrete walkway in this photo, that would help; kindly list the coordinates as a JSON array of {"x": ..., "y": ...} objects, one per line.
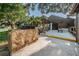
[
  {"x": 58, "y": 47},
  {"x": 46, "y": 46},
  {"x": 64, "y": 35},
  {"x": 34, "y": 47},
  {"x": 4, "y": 51}
]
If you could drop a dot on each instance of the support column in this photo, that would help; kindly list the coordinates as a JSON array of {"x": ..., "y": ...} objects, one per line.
[
  {"x": 77, "y": 27},
  {"x": 75, "y": 23},
  {"x": 50, "y": 26}
]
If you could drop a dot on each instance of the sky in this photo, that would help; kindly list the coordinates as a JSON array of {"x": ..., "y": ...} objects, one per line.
[{"x": 37, "y": 12}]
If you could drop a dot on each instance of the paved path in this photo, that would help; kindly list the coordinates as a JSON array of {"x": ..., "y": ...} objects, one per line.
[
  {"x": 58, "y": 47},
  {"x": 64, "y": 34},
  {"x": 4, "y": 51},
  {"x": 34, "y": 47},
  {"x": 50, "y": 47}
]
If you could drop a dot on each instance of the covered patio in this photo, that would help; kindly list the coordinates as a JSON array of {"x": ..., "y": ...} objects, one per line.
[{"x": 64, "y": 31}]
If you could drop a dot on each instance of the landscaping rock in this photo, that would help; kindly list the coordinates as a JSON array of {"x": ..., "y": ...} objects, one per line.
[{"x": 21, "y": 38}]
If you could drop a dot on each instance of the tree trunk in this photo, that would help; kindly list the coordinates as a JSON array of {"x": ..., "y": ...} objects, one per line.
[{"x": 12, "y": 24}]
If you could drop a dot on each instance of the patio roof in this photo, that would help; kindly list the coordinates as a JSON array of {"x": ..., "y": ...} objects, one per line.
[{"x": 53, "y": 18}]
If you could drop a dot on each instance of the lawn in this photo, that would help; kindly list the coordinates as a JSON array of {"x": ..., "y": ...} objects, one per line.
[{"x": 4, "y": 35}]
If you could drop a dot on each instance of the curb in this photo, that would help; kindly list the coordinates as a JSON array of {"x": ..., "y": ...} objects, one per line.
[{"x": 68, "y": 39}]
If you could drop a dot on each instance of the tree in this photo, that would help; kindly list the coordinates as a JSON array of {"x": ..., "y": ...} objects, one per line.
[
  {"x": 50, "y": 7},
  {"x": 34, "y": 21},
  {"x": 12, "y": 13}
]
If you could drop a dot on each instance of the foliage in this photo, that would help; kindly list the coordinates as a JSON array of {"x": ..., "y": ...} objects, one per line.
[
  {"x": 35, "y": 21},
  {"x": 17, "y": 12},
  {"x": 50, "y": 7},
  {"x": 12, "y": 12},
  {"x": 30, "y": 21}
]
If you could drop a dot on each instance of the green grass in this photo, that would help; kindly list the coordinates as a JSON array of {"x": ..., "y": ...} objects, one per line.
[{"x": 4, "y": 36}]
